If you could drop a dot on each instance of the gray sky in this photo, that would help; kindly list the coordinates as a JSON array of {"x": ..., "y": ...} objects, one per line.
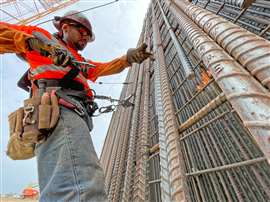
[{"x": 117, "y": 28}]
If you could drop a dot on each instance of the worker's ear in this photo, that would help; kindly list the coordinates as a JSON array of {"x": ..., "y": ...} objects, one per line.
[{"x": 64, "y": 27}]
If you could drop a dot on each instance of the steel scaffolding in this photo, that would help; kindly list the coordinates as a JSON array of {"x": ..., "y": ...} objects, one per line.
[
  {"x": 200, "y": 126},
  {"x": 27, "y": 11}
]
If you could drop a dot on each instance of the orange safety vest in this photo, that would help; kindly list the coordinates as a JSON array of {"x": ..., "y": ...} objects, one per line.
[{"x": 42, "y": 67}]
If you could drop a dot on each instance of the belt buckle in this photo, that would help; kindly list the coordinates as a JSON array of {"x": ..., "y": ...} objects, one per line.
[{"x": 80, "y": 112}]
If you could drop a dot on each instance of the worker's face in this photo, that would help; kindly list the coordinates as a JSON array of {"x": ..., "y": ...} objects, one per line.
[{"x": 75, "y": 35}]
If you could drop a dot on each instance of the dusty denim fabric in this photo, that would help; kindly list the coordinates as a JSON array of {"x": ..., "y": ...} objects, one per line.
[{"x": 68, "y": 166}]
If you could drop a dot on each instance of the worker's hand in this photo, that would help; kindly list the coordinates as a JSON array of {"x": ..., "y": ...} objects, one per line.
[
  {"x": 138, "y": 55},
  {"x": 59, "y": 56}
]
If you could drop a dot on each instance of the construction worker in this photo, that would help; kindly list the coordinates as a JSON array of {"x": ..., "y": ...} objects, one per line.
[{"x": 68, "y": 167}]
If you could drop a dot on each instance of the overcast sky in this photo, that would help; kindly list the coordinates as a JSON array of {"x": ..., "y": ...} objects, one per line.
[{"x": 117, "y": 28}]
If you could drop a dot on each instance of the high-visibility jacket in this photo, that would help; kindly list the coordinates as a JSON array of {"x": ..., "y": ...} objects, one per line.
[{"x": 13, "y": 37}]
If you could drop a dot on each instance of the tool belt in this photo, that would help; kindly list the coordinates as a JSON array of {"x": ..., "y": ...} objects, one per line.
[
  {"x": 31, "y": 124},
  {"x": 79, "y": 103}
]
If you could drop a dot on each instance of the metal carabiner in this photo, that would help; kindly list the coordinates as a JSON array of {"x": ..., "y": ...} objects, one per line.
[
  {"x": 28, "y": 110},
  {"x": 107, "y": 109}
]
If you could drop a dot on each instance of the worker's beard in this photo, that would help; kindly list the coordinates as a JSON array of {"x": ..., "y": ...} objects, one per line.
[{"x": 79, "y": 46}]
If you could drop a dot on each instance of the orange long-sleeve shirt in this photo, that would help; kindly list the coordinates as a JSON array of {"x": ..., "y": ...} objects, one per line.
[{"x": 13, "y": 40}]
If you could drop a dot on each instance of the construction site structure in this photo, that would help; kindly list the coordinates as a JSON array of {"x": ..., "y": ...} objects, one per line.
[
  {"x": 199, "y": 129},
  {"x": 28, "y": 11}
]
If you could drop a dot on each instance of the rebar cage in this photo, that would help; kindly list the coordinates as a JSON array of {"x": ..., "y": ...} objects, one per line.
[{"x": 194, "y": 139}]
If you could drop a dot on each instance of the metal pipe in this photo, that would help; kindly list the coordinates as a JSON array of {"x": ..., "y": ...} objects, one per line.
[
  {"x": 251, "y": 51},
  {"x": 250, "y": 100},
  {"x": 181, "y": 53}
]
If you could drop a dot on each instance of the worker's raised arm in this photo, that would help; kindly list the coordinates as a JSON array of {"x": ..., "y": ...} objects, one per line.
[
  {"x": 103, "y": 69},
  {"x": 134, "y": 55},
  {"x": 12, "y": 40}
]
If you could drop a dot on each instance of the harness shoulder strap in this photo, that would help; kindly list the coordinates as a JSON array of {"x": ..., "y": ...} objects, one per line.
[{"x": 65, "y": 82}]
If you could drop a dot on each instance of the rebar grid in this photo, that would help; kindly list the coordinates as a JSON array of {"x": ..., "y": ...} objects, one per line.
[
  {"x": 202, "y": 150},
  {"x": 220, "y": 157},
  {"x": 251, "y": 51},
  {"x": 254, "y": 18},
  {"x": 238, "y": 3}
]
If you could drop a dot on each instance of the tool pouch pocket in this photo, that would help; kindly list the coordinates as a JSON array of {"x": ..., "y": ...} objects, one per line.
[
  {"x": 31, "y": 133},
  {"x": 16, "y": 148},
  {"x": 32, "y": 124}
]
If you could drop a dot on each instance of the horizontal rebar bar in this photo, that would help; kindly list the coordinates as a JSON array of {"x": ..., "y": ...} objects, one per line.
[
  {"x": 226, "y": 167},
  {"x": 238, "y": 3},
  {"x": 154, "y": 149},
  {"x": 206, "y": 124},
  {"x": 154, "y": 181},
  {"x": 203, "y": 112}
]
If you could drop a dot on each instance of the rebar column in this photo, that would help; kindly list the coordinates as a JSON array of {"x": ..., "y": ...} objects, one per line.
[
  {"x": 141, "y": 185},
  {"x": 117, "y": 140},
  {"x": 129, "y": 173},
  {"x": 164, "y": 162},
  {"x": 170, "y": 126},
  {"x": 186, "y": 65},
  {"x": 117, "y": 177}
]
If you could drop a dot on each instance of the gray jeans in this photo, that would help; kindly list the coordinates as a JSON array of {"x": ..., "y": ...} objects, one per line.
[{"x": 68, "y": 166}]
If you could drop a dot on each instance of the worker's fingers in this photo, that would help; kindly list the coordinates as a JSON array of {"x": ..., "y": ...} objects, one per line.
[
  {"x": 66, "y": 61},
  {"x": 142, "y": 47},
  {"x": 148, "y": 54},
  {"x": 152, "y": 57}
]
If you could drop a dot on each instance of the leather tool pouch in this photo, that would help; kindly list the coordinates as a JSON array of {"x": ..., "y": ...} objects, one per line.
[
  {"x": 16, "y": 149},
  {"x": 32, "y": 124}
]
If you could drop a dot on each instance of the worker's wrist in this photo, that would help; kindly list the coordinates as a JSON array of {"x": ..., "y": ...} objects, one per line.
[
  {"x": 125, "y": 60},
  {"x": 21, "y": 41}
]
